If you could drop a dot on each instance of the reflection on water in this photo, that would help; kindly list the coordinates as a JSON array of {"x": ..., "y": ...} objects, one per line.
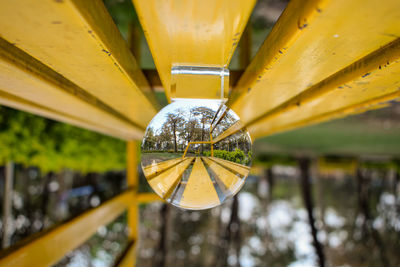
[
  {"x": 270, "y": 226},
  {"x": 195, "y": 154}
]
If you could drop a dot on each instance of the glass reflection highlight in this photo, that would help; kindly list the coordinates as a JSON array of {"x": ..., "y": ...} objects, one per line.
[{"x": 195, "y": 154}]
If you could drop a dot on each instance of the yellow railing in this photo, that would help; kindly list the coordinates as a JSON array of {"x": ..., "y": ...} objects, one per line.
[{"x": 51, "y": 246}]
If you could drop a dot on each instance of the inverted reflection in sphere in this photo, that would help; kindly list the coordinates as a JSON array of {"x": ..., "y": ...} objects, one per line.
[{"x": 195, "y": 154}]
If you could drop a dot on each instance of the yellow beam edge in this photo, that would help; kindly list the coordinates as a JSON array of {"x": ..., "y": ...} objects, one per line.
[
  {"x": 132, "y": 178},
  {"x": 297, "y": 56},
  {"x": 232, "y": 182},
  {"x": 195, "y": 33},
  {"x": 52, "y": 246},
  {"x": 237, "y": 126},
  {"x": 25, "y": 83},
  {"x": 164, "y": 183},
  {"x": 153, "y": 170},
  {"x": 79, "y": 40},
  {"x": 294, "y": 19},
  {"x": 145, "y": 198},
  {"x": 128, "y": 259},
  {"x": 367, "y": 83}
]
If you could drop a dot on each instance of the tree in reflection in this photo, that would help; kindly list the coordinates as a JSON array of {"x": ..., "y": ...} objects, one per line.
[
  {"x": 205, "y": 116},
  {"x": 174, "y": 124}
]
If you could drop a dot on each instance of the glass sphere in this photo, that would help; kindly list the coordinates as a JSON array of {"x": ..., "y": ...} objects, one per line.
[{"x": 190, "y": 159}]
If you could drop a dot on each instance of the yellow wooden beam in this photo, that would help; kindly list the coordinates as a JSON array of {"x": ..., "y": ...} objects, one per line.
[
  {"x": 132, "y": 179},
  {"x": 154, "y": 169},
  {"x": 237, "y": 126},
  {"x": 243, "y": 170},
  {"x": 194, "y": 33},
  {"x": 231, "y": 181},
  {"x": 324, "y": 58},
  {"x": 164, "y": 183},
  {"x": 79, "y": 41},
  {"x": 27, "y": 84},
  {"x": 340, "y": 94},
  {"x": 199, "y": 191},
  {"x": 128, "y": 259},
  {"x": 52, "y": 246},
  {"x": 145, "y": 198}
]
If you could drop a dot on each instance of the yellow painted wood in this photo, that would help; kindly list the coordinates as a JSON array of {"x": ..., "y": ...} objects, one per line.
[
  {"x": 132, "y": 180},
  {"x": 27, "y": 106},
  {"x": 164, "y": 183},
  {"x": 312, "y": 41},
  {"x": 232, "y": 182},
  {"x": 27, "y": 84},
  {"x": 155, "y": 168},
  {"x": 129, "y": 257},
  {"x": 197, "y": 33},
  {"x": 79, "y": 40},
  {"x": 238, "y": 168},
  {"x": 145, "y": 198},
  {"x": 199, "y": 191},
  {"x": 340, "y": 95},
  {"x": 231, "y": 130},
  {"x": 47, "y": 249}
]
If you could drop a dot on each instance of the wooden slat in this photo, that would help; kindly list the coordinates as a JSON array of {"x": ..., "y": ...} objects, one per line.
[
  {"x": 27, "y": 84},
  {"x": 164, "y": 183},
  {"x": 128, "y": 259},
  {"x": 52, "y": 246},
  {"x": 155, "y": 168},
  {"x": 316, "y": 49},
  {"x": 79, "y": 40},
  {"x": 238, "y": 168},
  {"x": 237, "y": 126},
  {"x": 199, "y": 191},
  {"x": 231, "y": 181},
  {"x": 197, "y": 33},
  {"x": 377, "y": 82},
  {"x": 145, "y": 198}
]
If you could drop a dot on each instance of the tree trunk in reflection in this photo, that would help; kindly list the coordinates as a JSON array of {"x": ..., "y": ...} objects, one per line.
[
  {"x": 363, "y": 189},
  {"x": 161, "y": 253},
  {"x": 304, "y": 165}
]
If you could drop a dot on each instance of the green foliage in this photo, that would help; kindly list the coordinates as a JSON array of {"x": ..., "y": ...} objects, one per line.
[
  {"x": 237, "y": 156},
  {"x": 52, "y": 146}
]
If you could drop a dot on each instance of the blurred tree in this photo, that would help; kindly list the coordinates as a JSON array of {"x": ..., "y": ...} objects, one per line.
[{"x": 52, "y": 146}]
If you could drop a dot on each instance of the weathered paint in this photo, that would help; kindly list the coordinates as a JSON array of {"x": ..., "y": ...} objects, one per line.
[
  {"x": 296, "y": 59},
  {"x": 27, "y": 84},
  {"x": 79, "y": 40},
  {"x": 164, "y": 183},
  {"x": 197, "y": 33}
]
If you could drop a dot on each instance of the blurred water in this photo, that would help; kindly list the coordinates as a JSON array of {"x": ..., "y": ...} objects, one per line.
[{"x": 274, "y": 228}]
